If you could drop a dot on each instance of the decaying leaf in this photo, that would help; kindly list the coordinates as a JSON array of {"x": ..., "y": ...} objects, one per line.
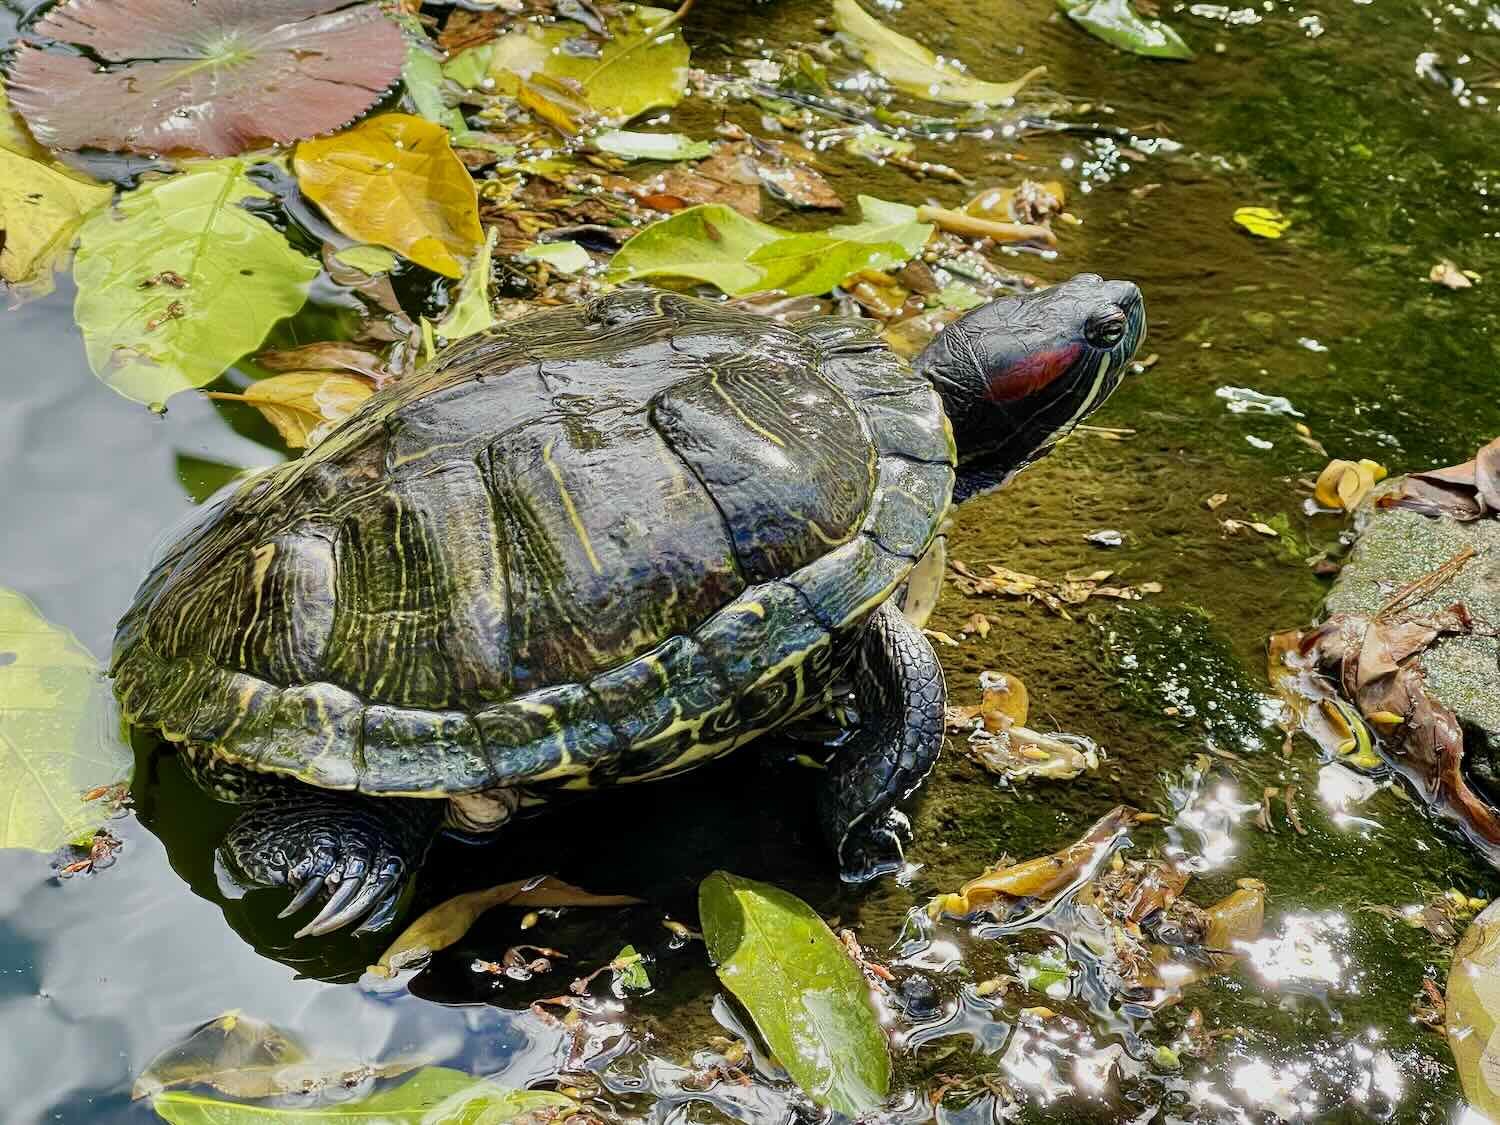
[
  {"x": 472, "y": 312},
  {"x": 1046, "y": 878},
  {"x": 216, "y": 77},
  {"x": 807, "y": 996},
  {"x": 912, "y": 68},
  {"x": 1344, "y": 484},
  {"x": 447, "y": 922},
  {"x": 303, "y": 405},
  {"x": 650, "y": 146},
  {"x": 999, "y": 739},
  {"x": 393, "y": 180},
  {"x": 326, "y": 355},
  {"x": 178, "y": 280},
  {"x": 1056, "y": 596},
  {"x": 1469, "y": 491},
  {"x": 60, "y": 742}
]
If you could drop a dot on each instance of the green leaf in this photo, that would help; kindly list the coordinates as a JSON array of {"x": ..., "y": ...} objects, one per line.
[
  {"x": 709, "y": 243},
  {"x": 650, "y": 146},
  {"x": 635, "y": 70},
  {"x": 59, "y": 731},
  {"x": 1047, "y": 973},
  {"x": 201, "y": 478},
  {"x": 884, "y": 221},
  {"x": 808, "y": 999},
  {"x": 630, "y": 970},
  {"x": 423, "y": 78},
  {"x": 472, "y": 312},
  {"x": 958, "y": 295},
  {"x": 434, "y": 1096},
  {"x": 1472, "y": 1015},
  {"x": 367, "y": 258},
  {"x": 179, "y": 280},
  {"x": 471, "y": 67},
  {"x": 1120, "y": 25},
  {"x": 805, "y": 264},
  {"x": 911, "y": 67},
  {"x": 565, "y": 257}
]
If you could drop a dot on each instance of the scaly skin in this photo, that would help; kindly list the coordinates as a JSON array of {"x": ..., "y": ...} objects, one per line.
[
  {"x": 898, "y": 684},
  {"x": 356, "y": 853}
]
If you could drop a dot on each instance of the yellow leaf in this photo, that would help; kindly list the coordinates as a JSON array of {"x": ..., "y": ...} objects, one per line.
[
  {"x": 636, "y": 68},
  {"x": 1344, "y": 484},
  {"x": 1005, "y": 702},
  {"x": 303, "y": 405},
  {"x": 912, "y": 68},
  {"x": 41, "y": 207},
  {"x": 1262, "y": 222},
  {"x": 393, "y": 180},
  {"x": 445, "y": 923}
]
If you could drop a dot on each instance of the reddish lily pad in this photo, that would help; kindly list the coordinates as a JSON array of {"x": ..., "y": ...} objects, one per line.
[{"x": 217, "y": 77}]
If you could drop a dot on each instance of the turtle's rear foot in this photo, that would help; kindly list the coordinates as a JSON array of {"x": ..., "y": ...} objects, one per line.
[{"x": 355, "y": 854}]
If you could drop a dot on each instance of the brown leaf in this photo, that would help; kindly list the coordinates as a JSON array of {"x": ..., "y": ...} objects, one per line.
[
  {"x": 326, "y": 355},
  {"x": 303, "y": 405},
  {"x": 1041, "y": 878}
]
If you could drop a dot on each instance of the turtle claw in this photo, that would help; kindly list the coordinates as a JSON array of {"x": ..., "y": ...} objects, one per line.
[
  {"x": 305, "y": 895},
  {"x": 354, "y": 899}
]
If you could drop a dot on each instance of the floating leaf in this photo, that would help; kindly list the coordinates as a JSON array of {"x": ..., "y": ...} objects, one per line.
[
  {"x": 472, "y": 312},
  {"x": 216, "y": 76},
  {"x": 303, "y": 405},
  {"x": 245, "y": 1057},
  {"x": 708, "y": 243},
  {"x": 178, "y": 280},
  {"x": 912, "y": 68},
  {"x": 650, "y": 146},
  {"x": 1472, "y": 1016},
  {"x": 1262, "y": 222},
  {"x": 715, "y": 244},
  {"x": 630, "y": 970},
  {"x": 433, "y": 1096},
  {"x": 1120, "y": 25},
  {"x": 565, "y": 257},
  {"x": 393, "y": 181},
  {"x": 41, "y": 208},
  {"x": 373, "y": 260},
  {"x": 1447, "y": 274},
  {"x": 445, "y": 923},
  {"x": 59, "y": 731},
  {"x": 634, "y": 70},
  {"x": 423, "y": 78},
  {"x": 1344, "y": 484},
  {"x": 806, "y": 995}
]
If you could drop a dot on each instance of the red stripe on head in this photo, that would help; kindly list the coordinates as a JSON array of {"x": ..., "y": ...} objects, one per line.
[{"x": 1027, "y": 376}]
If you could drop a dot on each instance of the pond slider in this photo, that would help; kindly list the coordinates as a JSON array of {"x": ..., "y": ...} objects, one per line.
[{"x": 598, "y": 545}]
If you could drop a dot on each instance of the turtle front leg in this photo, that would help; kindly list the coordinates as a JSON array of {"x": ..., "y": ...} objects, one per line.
[
  {"x": 898, "y": 685},
  {"x": 356, "y": 852}
]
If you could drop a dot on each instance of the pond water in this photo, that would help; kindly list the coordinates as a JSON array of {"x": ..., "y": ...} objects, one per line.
[{"x": 1372, "y": 125}]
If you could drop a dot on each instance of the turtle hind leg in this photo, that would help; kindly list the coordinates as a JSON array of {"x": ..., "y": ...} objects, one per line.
[
  {"x": 356, "y": 853},
  {"x": 898, "y": 684}
]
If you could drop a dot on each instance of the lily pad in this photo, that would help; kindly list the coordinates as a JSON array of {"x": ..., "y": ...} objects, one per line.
[
  {"x": 912, "y": 68},
  {"x": 635, "y": 69},
  {"x": 217, "y": 77},
  {"x": 807, "y": 997},
  {"x": 178, "y": 280},
  {"x": 1120, "y": 25},
  {"x": 59, "y": 731},
  {"x": 433, "y": 1096},
  {"x": 393, "y": 181}
]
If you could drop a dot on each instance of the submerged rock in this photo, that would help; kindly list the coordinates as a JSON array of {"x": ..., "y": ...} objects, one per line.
[{"x": 1397, "y": 546}]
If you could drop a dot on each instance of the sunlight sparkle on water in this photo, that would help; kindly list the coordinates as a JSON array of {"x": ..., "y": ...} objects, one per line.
[{"x": 1302, "y": 953}]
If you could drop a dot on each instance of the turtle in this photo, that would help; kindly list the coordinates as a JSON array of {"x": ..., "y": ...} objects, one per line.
[{"x": 597, "y": 545}]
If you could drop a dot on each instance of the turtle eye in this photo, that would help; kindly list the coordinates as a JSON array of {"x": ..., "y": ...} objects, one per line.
[{"x": 1105, "y": 329}]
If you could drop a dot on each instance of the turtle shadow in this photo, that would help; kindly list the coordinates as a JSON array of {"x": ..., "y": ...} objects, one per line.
[{"x": 752, "y": 813}]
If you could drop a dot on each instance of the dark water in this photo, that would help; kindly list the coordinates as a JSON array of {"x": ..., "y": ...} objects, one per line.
[{"x": 1333, "y": 114}]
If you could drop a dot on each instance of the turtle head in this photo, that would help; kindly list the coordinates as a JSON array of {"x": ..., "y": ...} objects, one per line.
[{"x": 1016, "y": 375}]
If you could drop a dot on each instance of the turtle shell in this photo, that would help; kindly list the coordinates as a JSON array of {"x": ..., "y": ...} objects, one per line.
[{"x": 596, "y": 544}]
